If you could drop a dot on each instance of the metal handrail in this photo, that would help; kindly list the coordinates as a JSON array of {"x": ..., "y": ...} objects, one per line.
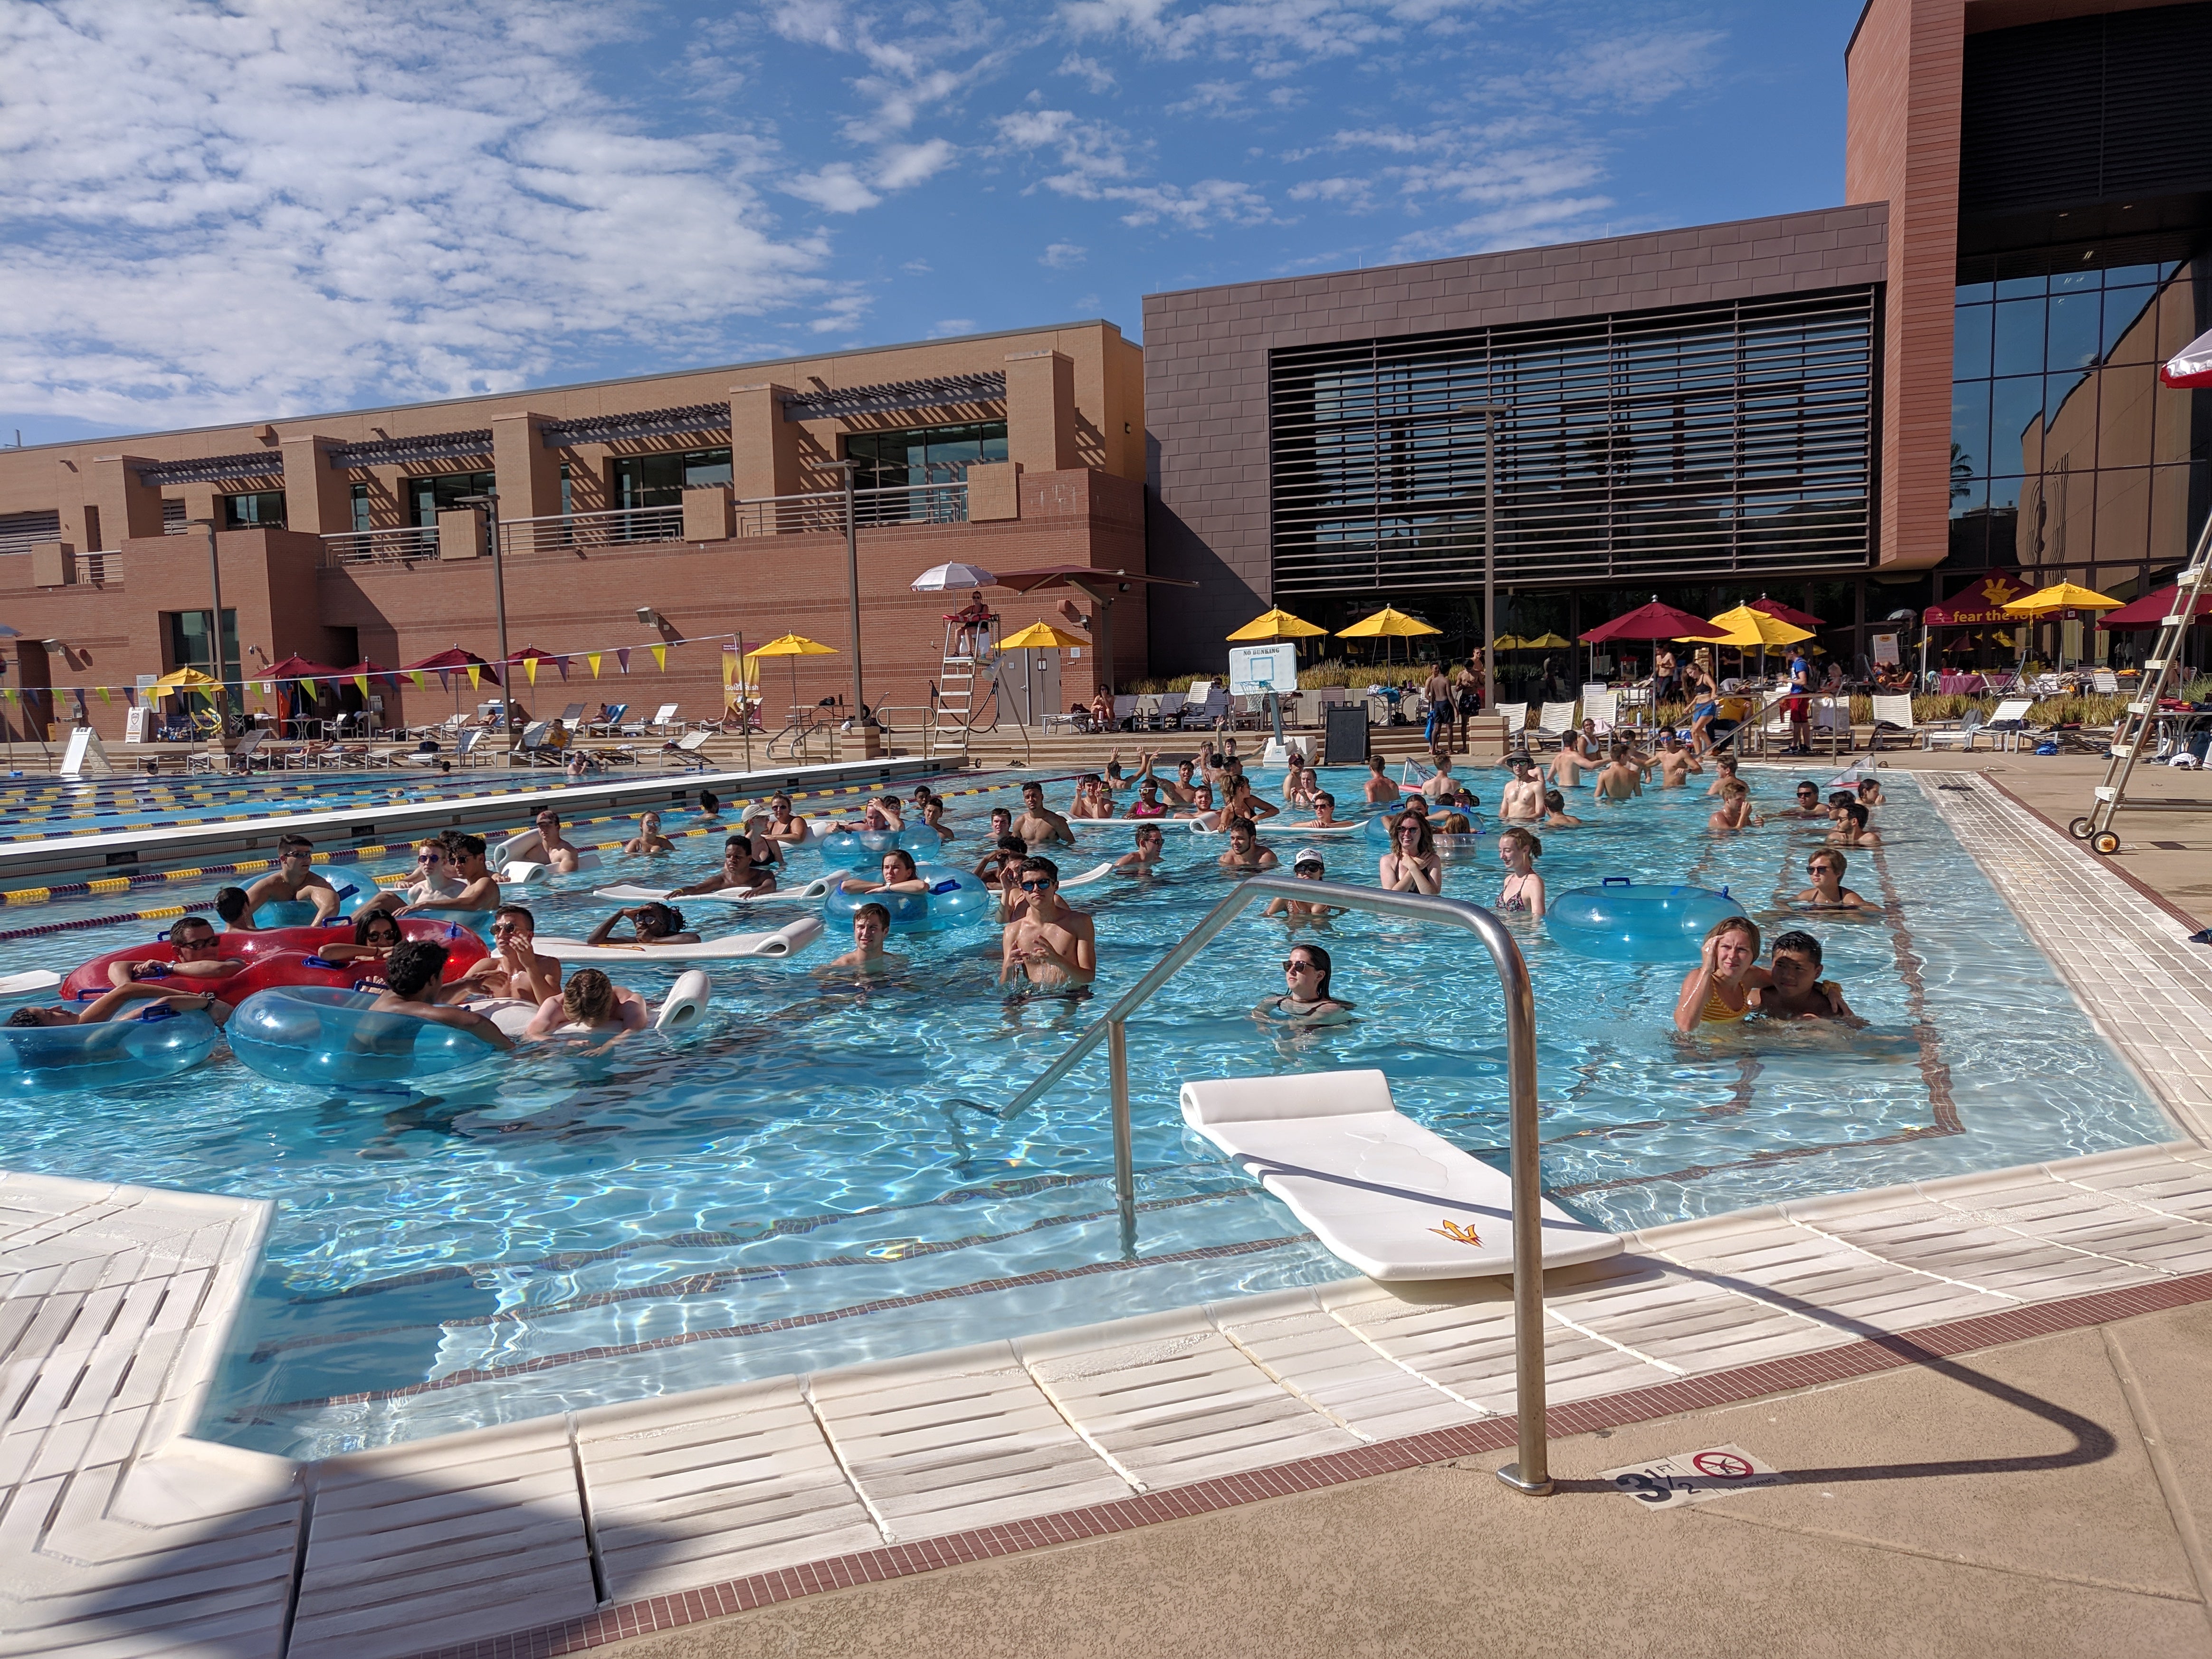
[{"x": 1530, "y": 1473}]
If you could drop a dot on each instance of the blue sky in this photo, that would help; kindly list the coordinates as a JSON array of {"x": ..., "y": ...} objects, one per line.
[{"x": 212, "y": 212}]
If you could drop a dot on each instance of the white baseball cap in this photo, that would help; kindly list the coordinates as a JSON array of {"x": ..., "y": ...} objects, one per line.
[{"x": 1309, "y": 855}]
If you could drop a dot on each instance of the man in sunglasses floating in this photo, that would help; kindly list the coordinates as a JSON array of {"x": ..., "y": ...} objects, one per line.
[{"x": 1054, "y": 947}]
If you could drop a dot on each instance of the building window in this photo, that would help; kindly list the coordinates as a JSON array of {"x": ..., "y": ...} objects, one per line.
[
  {"x": 188, "y": 646},
  {"x": 174, "y": 522},
  {"x": 362, "y": 521},
  {"x": 660, "y": 480},
  {"x": 1718, "y": 441},
  {"x": 2066, "y": 452},
  {"x": 924, "y": 455},
  {"x": 262, "y": 510},
  {"x": 427, "y": 498},
  {"x": 567, "y": 492}
]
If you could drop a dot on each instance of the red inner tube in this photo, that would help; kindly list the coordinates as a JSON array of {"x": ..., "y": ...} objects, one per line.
[{"x": 283, "y": 953}]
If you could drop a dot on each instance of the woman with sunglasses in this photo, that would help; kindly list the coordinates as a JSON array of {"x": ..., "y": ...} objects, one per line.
[
  {"x": 1305, "y": 1000},
  {"x": 1412, "y": 865},
  {"x": 375, "y": 933},
  {"x": 1827, "y": 892},
  {"x": 648, "y": 838}
]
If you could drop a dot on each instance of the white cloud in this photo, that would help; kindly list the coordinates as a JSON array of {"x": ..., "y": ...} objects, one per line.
[
  {"x": 1212, "y": 98},
  {"x": 1092, "y": 73},
  {"x": 1194, "y": 207},
  {"x": 1096, "y": 167},
  {"x": 1352, "y": 194},
  {"x": 905, "y": 76},
  {"x": 952, "y": 325},
  {"x": 834, "y": 189},
  {"x": 1062, "y": 256},
  {"x": 1273, "y": 36},
  {"x": 905, "y": 165},
  {"x": 1636, "y": 71},
  {"x": 208, "y": 214}
]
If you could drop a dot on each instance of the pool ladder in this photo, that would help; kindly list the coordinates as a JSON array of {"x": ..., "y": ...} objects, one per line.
[{"x": 1530, "y": 1473}]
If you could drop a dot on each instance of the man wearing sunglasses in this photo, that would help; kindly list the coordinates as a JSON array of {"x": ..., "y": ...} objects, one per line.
[
  {"x": 295, "y": 878},
  {"x": 515, "y": 968},
  {"x": 464, "y": 858},
  {"x": 198, "y": 957},
  {"x": 434, "y": 877},
  {"x": 1053, "y": 946}
]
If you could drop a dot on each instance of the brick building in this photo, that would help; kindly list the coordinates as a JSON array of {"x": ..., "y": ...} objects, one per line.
[
  {"x": 711, "y": 501},
  {"x": 1857, "y": 410}
]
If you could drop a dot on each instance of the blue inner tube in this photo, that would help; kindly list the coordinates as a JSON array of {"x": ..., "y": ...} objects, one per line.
[
  {"x": 954, "y": 896},
  {"x": 325, "y": 1038},
  {"x": 1628, "y": 922},
  {"x": 51, "y": 1059},
  {"x": 300, "y": 913},
  {"x": 858, "y": 848}
]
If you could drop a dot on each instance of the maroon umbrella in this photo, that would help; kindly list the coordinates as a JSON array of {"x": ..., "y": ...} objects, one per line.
[
  {"x": 1790, "y": 614},
  {"x": 1654, "y": 621},
  {"x": 455, "y": 661},
  {"x": 2153, "y": 609},
  {"x": 297, "y": 668}
]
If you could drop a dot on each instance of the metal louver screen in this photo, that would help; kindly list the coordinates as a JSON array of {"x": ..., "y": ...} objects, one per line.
[{"x": 1730, "y": 439}]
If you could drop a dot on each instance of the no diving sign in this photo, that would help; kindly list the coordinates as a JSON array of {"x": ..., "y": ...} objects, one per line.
[{"x": 1697, "y": 1477}]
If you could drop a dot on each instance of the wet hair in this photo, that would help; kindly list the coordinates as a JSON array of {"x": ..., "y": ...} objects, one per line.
[
  {"x": 1032, "y": 784},
  {"x": 670, "y": 918},
  {"x": 1734, "y": 788},
  {"x": 1743, "y": 925},
  {"x": 1322, "y": 798},
  {"x": 1144, "y": 830},
  {"x": 1842, "y": 863},
  {"x": 710, "y": 801},
  {"x": 737, "y": 840},
  {"x": 1320, "y": 958},
  {"x": 1244, "y": 823},
  {"x": 414, "y": 966},
  {"x": 293, "y": 843},
  {"x": 1458, "y": 823},
  {"x": 1554, "y": 801},
  {"x": 189, "y": 922},
  {"x": 231, "y": 903},
  {"x": 464, "y": 845},
  {"x": 1517, "y": 836},
  {"x": 779, "y": 796},
  {"x": 1798, "y": 943},
  {"x": 998, "y": 812},
  {"x": 1843, "y": 797},
  {"x": 368, "y": 919},
  {"x": 528, "y": 920},
  {"x": 1803, "y": 784},
  {"x": 898, "y": 853},
  {"x": 1865, "y": 784},
  {"x": 1013, "y": 844},
  {"x": 1726, "y": 762},
  {"x": 588, "y": 995},
  {"x": 25, "y": 1017},
  {"x": 1856, "y": 813},
  {"x": 873, "y": 909},
  {"x": 1375, "y": 764},
  {"x": 1039, "y": 866}
]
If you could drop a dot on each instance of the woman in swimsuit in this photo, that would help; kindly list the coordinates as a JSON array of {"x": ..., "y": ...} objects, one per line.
[
  {"x": 375, "y": 933},
  {"x": 1518, "y": 849},
  {"x": 1718, "y": 991},
  {"x": 1412, "y": 865},
  {"x": 1827, "y": 892},
  {"x": 1307, "y": 1002}
]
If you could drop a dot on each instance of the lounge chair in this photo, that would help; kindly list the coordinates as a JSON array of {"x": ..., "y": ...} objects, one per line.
[
  {"x": 687, "y": 750},
  {"x": 1960, "y": 736},
  {"x": 2104, "y": 683},
  {"x": 612, "y": 726},
  {"x": 1832, "y": 718},
  {"x": 1893, "y": 715},
  {"x": 571, "y": 717},
  {"x": 1552, "y": 726},
  {"x": 667, "y": 716},
  {"x": 1515, "y": 716}
]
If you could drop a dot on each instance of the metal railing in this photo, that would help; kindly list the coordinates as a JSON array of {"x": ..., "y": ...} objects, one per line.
[
  {"x": 565, "y": 532},
  {"x": 100, "y": 569},
  {"x": 408, "y": 544},
  {"x": 822, "y": 511},
  {"x": 1530, "y": 1474}
]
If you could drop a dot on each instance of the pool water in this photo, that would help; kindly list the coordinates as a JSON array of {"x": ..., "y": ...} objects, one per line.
[
  {"x": 812, "y": 1177},
  {"x": 31, "y": 809}
]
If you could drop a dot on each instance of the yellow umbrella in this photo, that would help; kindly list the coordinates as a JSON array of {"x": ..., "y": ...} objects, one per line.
[
  {"x": 1387, "y": 623},
  {"x": 1507, "y": 642},
  {"x": 793, "y": 646},
  {"x": 184, "y": 679},
  {"x": 1278, "y": 624},
  {"x": 2061, "y": 596},
  {"x": 1545, "y": 643},
  {"x": 1040, "y": 636},
  {"x": 1747, "y": 626}
]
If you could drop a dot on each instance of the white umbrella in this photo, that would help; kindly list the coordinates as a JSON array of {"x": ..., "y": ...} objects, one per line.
[{"x": 951, "y": 578}]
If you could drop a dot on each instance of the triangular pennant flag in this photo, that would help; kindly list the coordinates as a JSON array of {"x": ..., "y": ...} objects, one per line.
[
  {"x": 104, "y": 697},
  {"x": 472, "y": 676},
  {"x": 660, "y": 658},
  {"x": 622, "y": 658},
  {"x": 360, "y": 683},
  {"x": 592, "y": 657},
  {"x": 131, "y": 696},
  {"x": 445, "y": 681},
  {"x": 561, "y": 663},
  {"x": 530, "y": 667},
  {"x": 419, "y": 682}
]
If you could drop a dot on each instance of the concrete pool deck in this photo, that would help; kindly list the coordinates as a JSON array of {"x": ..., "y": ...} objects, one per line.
[{"x": 120, "y": 1534}]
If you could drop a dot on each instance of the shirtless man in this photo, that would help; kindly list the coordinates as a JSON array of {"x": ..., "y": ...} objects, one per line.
[
  {"x": 1850, "y": 828},
  {"x": 1808, "y": 803},
  {"x": 294, "y": 877},
  {"x": 411, "y": 978},
  {"x": 198, "y": 949},
  {"x": 542, "y": 844},
  {"x": 1622, "y": 779},
  {"x": 1053, "y": 946},
  {"x": 898, "y": 873},
  {"x": 514, "y": 969},
  {"x": 1006, "y": 852},
  {"x": 1523, "y": 797},
  {"x": 478, "y": 889},
  {"x": 1380, "y": 790},
  {"x": 1152, "y": 847},
  {"x": 1245, "y": 852},
  {"x": 1676, "y": 763},
  {"x": 109, "y": 1006},
  {"x": 739, "y": 873},
  {"x": 710, "y": 807},
  {"x": 1726, "y": 765},
  {"x": 1443, "y": 783},
  {"x": 1038, "y": 824},
  {"x": 782, "y": 827},
  {"x": 871, "y": 925},
  {"x": 1567, "y": 768},
  {"x": 650, "y": 924},
  {"x": 1182, "y": 790},
  {"x": 436, "y": 877},
  {"x": 1797, "y": 991},
  {"x": 1324, "y": 814},
  {"x": 1202, "y": 811}
]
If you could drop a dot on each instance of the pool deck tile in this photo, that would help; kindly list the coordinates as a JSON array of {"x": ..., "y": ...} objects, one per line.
[
  {"x": 714, "y": 1484},
  {"x": 1288, "y": 1336}
]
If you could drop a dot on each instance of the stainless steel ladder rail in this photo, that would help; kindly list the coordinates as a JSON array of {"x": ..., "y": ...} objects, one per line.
[
  {"x": 2135, "y": 722},
  {"x": 1530, "y": 1473}
]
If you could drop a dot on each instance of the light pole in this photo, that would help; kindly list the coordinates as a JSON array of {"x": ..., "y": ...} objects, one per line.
[
  {"x": 861, "y": 717},
  {"x": 490, "y": 501},
  {"x": 214, "y": 630},
  {"x": 1490, "y": 412}
]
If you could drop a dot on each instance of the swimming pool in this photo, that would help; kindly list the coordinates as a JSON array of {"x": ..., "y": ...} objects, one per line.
[
  {"x": 42, "y": 806},
  {"x": 810, "y": 1180}
]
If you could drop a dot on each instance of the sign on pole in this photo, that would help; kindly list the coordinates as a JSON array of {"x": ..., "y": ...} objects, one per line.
[{"x": 1257, "y": 669}]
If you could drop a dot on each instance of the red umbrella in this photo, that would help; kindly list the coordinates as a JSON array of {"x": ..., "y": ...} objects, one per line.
[
  {"x": 1790, "y": 614},
  {"x": 297, "y": 668},
  {"x": 455, "y": 661},
  {"x": 1654, "y": 621},
  {"x": 2153, "y": 609},
  {"x": 2192, "y": 366}
]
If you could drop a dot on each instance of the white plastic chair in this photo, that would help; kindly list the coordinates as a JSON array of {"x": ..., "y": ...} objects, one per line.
[{"x": 1892, "y": 717}]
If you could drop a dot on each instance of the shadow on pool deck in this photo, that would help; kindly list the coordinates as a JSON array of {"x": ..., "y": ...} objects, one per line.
[{"x": 2050, "y": 1498}]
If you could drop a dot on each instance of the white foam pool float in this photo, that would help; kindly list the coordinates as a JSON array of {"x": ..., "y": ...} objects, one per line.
[
  {"x": 1394, "y": 1199},
  {"x": 31, "y": 980},
  {"x": 629, "y": 895},
  {"x": 787, "y": 940}
]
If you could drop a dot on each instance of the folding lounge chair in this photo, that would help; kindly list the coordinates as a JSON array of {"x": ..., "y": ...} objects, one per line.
[
  {"x": 686, "y": 750},
  {"x": 1554, "y": 724},
  {"x": 1892, "y": 717}
]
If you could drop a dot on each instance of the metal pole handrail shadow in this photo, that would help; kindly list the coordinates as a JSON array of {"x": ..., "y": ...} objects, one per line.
[{"x": 1529, "y": 1474}]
